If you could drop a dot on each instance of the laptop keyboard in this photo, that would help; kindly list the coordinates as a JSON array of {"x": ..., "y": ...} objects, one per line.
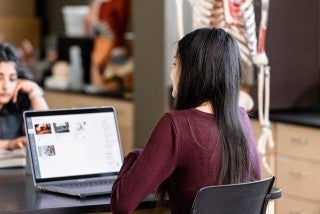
[{"x": 86, "y": 184}]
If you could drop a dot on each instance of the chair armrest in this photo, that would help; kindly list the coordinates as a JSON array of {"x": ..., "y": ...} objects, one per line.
[{"x": 275, "y": 193}]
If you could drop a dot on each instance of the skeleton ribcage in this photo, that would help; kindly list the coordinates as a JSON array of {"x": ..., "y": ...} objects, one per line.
[{"x": 237, "y": 18}]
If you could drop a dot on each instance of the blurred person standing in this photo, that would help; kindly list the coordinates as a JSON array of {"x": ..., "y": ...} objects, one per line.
[{"x": 107, "y": 20}]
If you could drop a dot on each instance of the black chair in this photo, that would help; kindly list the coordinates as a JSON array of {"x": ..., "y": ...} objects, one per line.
[{"x": 242, "y": 198}]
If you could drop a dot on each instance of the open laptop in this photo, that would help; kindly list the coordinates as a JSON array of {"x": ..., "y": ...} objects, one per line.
[{"x": 74, "y": 151}]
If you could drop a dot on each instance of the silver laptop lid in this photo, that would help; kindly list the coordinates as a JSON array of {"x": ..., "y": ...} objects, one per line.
[{"x": 73, "y": 143}]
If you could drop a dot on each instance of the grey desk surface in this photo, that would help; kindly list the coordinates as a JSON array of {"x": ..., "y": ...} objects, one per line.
[{"x": 18, "y": 195}]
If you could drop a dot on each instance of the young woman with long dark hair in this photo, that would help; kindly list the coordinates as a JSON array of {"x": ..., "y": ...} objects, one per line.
[{"x": 206, "y": 140}]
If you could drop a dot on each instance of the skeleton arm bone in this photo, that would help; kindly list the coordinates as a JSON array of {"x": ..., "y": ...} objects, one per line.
[
  {"x": 180, "y": 18},
  {"x": 264, "y": 80},
  {"x": 266, "y": 137},
  {"x": 261, "y": 58}
]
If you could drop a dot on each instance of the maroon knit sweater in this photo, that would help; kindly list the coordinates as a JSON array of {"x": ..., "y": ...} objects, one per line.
[{"x": 183, "y": 149}]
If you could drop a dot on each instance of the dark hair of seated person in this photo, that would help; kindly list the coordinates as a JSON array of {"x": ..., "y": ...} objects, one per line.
[
  {"x": 8, "y": 53},
  {"x": 210, "y": 71}
]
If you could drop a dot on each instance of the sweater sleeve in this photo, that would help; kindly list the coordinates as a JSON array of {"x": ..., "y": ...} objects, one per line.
[{"x": 143, "y": 171}]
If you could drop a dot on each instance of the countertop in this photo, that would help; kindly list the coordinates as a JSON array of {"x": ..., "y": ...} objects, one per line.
[
  {"x": 123, "y": 95},
  {"x": 303, "y": 117}
]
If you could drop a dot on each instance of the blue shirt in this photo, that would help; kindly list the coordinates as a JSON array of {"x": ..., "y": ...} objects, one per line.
[{"x": 11, "y": 118}]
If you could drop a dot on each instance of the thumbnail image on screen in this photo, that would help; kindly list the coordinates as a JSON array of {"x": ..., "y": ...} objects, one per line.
[
  {"x": 43, "y": 128},
  {"x": 47, "y": 150},
  {"x": 61, "y": 127}
]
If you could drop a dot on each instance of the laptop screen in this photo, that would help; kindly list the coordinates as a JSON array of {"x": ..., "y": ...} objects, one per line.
[{"x": 73, "y": 143}]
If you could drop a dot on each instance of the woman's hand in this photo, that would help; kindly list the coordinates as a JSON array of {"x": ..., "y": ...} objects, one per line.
[
  {"x": 34, "y": 91},
  {"x": 27, "y": 86},
  {"x": 17, "y": 143}
]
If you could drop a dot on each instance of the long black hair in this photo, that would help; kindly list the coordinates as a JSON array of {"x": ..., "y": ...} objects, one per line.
[
  {"x": 210, "y": 69},
  {"x": 210, "y": 72}
]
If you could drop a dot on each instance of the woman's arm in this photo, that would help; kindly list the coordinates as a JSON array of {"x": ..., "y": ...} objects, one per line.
[
  {"x": 35, "y": 94},
  {"x": 17, "y": 143},
  {"x": 142, "y": 172}
]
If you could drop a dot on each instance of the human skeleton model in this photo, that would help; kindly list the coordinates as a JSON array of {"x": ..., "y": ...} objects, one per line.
[{"x": 237, "y": 17}]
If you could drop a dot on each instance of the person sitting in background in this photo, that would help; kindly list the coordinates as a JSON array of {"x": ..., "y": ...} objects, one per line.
[
  {"x": 18, "y": 92},
  {"x": 206, "y": 140}
]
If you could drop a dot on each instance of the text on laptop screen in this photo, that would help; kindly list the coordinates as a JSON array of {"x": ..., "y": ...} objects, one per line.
[{"x": 74, "y": 144}]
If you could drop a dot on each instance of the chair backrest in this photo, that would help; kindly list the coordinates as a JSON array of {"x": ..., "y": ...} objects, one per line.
[{"x": 242, "y": 198}]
